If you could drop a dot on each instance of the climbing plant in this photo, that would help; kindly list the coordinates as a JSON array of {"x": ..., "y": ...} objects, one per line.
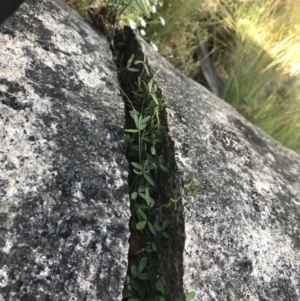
[{"x": 143, "y": 143}]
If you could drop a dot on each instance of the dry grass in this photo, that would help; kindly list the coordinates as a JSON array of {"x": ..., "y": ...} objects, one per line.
[{"x": 255, "y": 49}]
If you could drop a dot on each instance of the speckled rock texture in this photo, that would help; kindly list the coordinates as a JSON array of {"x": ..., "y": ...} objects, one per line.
[
  {"x": 241, "y": 235},
  {"x": 63, "y": 176}
]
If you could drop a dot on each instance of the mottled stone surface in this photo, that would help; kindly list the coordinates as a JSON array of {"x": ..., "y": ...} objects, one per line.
[
  {"x": 63, "y": 183},
  {"x": 242, "y": 234}
]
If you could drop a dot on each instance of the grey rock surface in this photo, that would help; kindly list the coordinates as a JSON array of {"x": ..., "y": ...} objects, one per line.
[
  {"x": 241, "y": 235},
  {"x": 63, "y": 176}
]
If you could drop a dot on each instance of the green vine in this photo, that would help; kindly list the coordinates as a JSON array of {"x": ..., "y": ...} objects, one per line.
[{"x": 143, "y": 139}]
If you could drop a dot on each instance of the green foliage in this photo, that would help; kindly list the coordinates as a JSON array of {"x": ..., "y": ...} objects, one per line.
[
  {"x": 143, "y": 143},
  {"x": 128, "y": 12},
  {"x": 190, "y": 189}
]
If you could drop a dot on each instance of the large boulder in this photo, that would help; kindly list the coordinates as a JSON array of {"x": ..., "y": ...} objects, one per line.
[
  {"x": 240, "y": 238},
  {"x": 64, "y": 207}
]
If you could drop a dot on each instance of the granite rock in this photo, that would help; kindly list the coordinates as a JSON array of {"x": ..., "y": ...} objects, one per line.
[
  {"x": 240, "y": 238},
  {"x": 64, "y": 208},
  {"x": 63, "y": 175}
]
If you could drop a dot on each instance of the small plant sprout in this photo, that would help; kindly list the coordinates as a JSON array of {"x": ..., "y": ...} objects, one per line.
[
  {"x": 189, "y": 297},
  {"x": 129, "y": 63},
  {"x": 190, "y": 190}
]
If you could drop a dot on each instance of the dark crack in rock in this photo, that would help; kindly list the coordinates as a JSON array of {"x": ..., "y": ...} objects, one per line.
[
  {"x": 64, "y": 208},
  {"x": 242, "y": 233}
]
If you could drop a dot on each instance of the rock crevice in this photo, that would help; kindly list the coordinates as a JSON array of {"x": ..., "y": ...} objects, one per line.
[{"x": 64, "y": 206}]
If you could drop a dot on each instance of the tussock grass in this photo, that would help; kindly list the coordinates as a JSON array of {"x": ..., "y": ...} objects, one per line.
[{"x": 255, "y": 48}]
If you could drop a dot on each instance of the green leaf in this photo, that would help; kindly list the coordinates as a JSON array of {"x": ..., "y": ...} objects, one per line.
[
  {"x": 137, "y": 165},
  {"x": 165, "y": 224},
  {"x": 136, "y": 121},
  {"x": 190, "y": 296},
  {"x": 143, "y": 196},
  {"x": 129, "y": 62},
  {"x": 134, "y": 112},
  {"x": 142, "y": 214},
  {"x": 142, "y": 264},
  {"x": 142, "y": 189},
  {"x": 133, "y": 69},
  {"x": 164, "y": 168},
  {"x": 147, "y": 194},
  {"x": 144, "y": 276},
  {"x": 147, "y": 139},
  {"x": 160, "y": 287},
  {"x": 154, "y": 246},
  {"x": 149, "y": 179},
  {"x": 142, "y": 206},
  {"x": 151, "y": 228},
  {"x": 135, "y": 285},
  {"x": 140, "y": 122},
  {"x": 134, "y": 270},
  {"x": 153, "y": 150},
  {"x": 157, "y": 227},
  {"x": 142, "y": 126},
  {"x": 141, "y": 225},
  {"x": 155, "y": 98},
  {"x": 148, "y": 199},
  {"x": 132, "y": 131},
  {"x": 145, "y": 120},
  {"x": 166, "y": 234},
  {"x": 150, "y": 84},
  {"x": 143, "y": 63},
  {"x": 134, "y": 195},
  {"x": 151, "y": 202},
  {"x": 134, "y": 299},
  {"x": 161, "y": 159},
  {"x": 135, "y": 115}
]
